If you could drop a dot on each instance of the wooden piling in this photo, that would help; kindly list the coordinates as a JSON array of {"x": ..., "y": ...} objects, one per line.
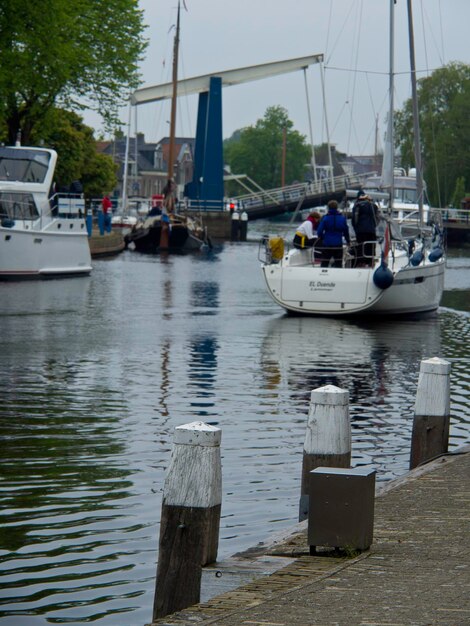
[
  {"x": 235, "y": 226},
  {"x": 189, "y": 529},
  {"x": 243, "y": 226},
  {"x": 328, "y": 437},
  {"x": 430, "y": 436}
]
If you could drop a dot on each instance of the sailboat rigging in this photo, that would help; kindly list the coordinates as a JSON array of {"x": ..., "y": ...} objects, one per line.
[
  {"x": 164, "y": 229},
  {"x": 405, "y": 266},
  {"x": 176, "y": 43},
  {"x": 416, "y": 127}
]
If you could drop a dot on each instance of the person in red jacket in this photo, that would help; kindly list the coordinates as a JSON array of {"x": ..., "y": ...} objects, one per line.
[{"x": 106, "y": 206}]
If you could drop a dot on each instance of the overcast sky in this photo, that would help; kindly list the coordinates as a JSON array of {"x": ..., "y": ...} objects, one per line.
[{"x": 353, "y": 35}]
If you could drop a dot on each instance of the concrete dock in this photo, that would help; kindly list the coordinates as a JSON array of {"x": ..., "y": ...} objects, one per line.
[{"x": 416, "y": 573}]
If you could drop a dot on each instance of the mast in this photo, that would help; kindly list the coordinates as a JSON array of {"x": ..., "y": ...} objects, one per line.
[
  {"x": 325, "y": 115},
  {"x": 171, "y": 157},
  {"x": 391, "y": 87},
  {"x": 314, "y": 165},
  {"x": 136, "y": 154},
  {"x": 126, "y": 165},
  {"x": 417, "y": 138},
  {"x": 283, "y": 162},
  {"x": 376, "y": 143}
]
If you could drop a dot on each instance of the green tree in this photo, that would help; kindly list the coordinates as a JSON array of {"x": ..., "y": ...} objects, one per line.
[
  {"x": 444, "y": 105},
  {"x": 76, "y": 54},
  {"x": 78, "y": 158},
  {"x": 258, "y": 150},
  {"x": 459, "y": 192}
]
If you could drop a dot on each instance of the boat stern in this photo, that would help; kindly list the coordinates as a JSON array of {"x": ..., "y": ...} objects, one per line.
[{"x": 322, "y": 290}]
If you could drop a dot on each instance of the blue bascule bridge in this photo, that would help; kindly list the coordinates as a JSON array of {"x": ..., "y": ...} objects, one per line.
[{"x": 206, "y": 190}]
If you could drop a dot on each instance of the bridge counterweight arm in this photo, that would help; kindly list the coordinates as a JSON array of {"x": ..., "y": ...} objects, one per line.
[{"x": 200, "y": 84}]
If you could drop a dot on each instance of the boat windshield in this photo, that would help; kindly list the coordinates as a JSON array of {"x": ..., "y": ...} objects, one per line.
[
  {"x": 18, "y": 206},
  {"x": 407, "y": 196},
  {"x": 27, "y": 166}
]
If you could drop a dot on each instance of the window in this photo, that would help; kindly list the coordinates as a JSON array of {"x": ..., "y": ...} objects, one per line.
[
  {"x": 409, "y": 196},
  {"x": 26, "y": 166},
  {"x": 18, "y": 206},
  {"x": 159, "y": 158}
]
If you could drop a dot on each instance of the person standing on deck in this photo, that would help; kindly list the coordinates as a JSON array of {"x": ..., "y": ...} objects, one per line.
[
  {"x": 306, "y": 234},
  {"x": 331, "y": 230},
  {"x": 169, "y": 202},
  {"x": 365, "y": 215}
]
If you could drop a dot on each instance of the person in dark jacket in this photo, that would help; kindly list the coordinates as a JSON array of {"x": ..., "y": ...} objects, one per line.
[
  {"x": 332, "y": 229},
  {"x": 364, "y": 221}
]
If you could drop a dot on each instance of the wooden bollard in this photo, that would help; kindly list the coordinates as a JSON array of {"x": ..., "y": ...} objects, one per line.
[
  {"x": 430, "y": 436},
  {"x": 328, "y": 437},
  {"x": 243, "y": 226},
  {"x": 235, "y": 226},
  {"x": 189, "y": 529}
]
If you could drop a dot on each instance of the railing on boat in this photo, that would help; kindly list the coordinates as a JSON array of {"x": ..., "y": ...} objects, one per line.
[
  {"x": 274, "y": 249},
  {"x": 22, "y": 207}
]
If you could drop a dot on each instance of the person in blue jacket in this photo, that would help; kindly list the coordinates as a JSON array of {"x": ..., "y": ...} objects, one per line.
[{"x": 332, "y": 229}]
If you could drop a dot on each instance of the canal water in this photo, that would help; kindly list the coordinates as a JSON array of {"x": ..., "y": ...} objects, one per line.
[{"x": 95, "y": 374}]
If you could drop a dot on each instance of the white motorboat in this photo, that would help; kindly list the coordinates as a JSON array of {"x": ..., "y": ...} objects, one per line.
[
  {"x": 124, "y": 222},
  {"x": 405, "y": 266},
  {"x": 42, "y": 234},
  {"x": 405, "y": 195}
]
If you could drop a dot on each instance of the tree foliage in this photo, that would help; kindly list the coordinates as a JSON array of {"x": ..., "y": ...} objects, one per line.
[
  {"x": 72, "y": 53},
  {"x": 258, "y": 150},
  {"x": 459, "y": 192},
  {"x": 78, "y": 159},
  {"x": 444, "y": 105}
]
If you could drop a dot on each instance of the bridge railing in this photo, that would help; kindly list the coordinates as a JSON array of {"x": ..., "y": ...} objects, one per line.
[
  {"x": 457, "y": 216},
  {"x": 293, "y": 193},
  {"x": 203, "y": 205}
]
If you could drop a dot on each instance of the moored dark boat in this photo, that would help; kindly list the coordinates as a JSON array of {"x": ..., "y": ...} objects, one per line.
[{"x": 184, "y": 234}]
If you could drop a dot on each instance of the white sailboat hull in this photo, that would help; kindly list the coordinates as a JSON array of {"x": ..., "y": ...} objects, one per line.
[{"x": 313, "y": 290}]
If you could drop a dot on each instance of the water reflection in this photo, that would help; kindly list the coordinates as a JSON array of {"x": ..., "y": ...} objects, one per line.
[
  {"x": 62, "y": 491},
  {"x": 37, "y": 298},
  {"x": 202, "y": 375},
  {"x": 370, "y": 360},
  {"x": 205, "y": 297},
  {"x": 455, "y": 334},
  {"x": 456, "y": 299},
  {"x": 377, "y": 363}
]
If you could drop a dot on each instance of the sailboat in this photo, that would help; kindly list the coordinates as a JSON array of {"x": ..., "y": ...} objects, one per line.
[
  {"x": 164, "y": 228},
  {"x": 405, "y": 274}
]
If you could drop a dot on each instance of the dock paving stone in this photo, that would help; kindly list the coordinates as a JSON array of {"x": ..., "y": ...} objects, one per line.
[{"x": 417, "y": 572}]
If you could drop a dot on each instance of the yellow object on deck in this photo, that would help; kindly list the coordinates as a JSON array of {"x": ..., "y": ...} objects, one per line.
[{"x": 276, "y": 245}]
